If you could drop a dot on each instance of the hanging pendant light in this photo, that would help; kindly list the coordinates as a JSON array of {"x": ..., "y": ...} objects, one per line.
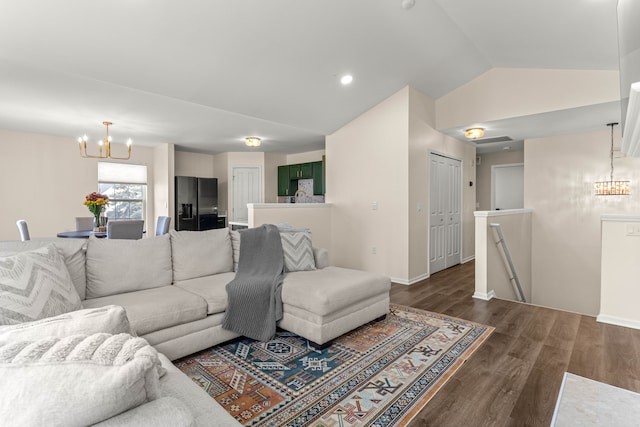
[{"x": 611, "y": 187}]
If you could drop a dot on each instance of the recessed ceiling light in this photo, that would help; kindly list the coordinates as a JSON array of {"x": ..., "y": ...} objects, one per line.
[{"x": 346, "y": 79}]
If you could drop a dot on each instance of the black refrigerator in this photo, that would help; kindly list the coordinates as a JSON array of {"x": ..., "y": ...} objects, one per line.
[{"x": 196, "y": 203}]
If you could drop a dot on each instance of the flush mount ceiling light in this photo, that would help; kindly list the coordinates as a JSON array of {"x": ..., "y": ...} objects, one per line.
[
  {"x": 252, "y": 141},
  {"x": 346, "y": 79},
  {"x": 474, "y": 133},
  {"x": 407, "y": 4},
  {"x": 611, "y": 187},
  {"x": 82, "y": 142}
]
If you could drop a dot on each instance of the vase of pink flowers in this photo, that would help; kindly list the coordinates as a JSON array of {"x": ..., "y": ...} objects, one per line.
[{"x": 96, "y": 203}]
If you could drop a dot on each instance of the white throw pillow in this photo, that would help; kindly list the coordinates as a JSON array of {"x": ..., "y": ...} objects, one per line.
[
  {"x": 200, "y": 253},
  {"x": 73, "y": 251},
  {"x": 235, "y": 245},
  {"x": 75, "y": 381},
  {"x": 35, "y": 284},
  {"x": 111, "y": 319},
  {"x": 116, "y": 266},
  {"x": 297, "y": 250}
]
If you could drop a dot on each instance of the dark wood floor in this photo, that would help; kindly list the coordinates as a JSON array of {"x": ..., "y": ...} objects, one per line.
[{"x": 513, "y": 379}]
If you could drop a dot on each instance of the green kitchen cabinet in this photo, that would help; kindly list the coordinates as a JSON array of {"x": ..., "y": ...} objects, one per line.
[
  {"x": 284, "y": 182},
  {"x": 301, "y": 171},
  {"x": 318, "y": 178}
]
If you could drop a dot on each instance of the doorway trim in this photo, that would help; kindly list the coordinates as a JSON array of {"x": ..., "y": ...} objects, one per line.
[{"x": 493, "y": 180}]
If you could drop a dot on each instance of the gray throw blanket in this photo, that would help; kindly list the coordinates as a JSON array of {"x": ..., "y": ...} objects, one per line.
[{"x": 255, "y": 295}]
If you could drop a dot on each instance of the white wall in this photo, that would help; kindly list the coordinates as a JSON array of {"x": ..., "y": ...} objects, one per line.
[
  {"x": 271, "y": 163},
  {"x": 492, "y": 277},
  {"x": 367, "y": 161},
  {"x": 620, "y": 293},
  {"x": 483, "y": 174},
  {"x": 163, "y": 184},
  {"x": 424, "y": 139},
  {"x": 558, "y": 179},
  {"x": 513, "y": 92},
  {"x": 382, "y": 157},
  {"x": 309, "y": 156},
  {"x": 314, "y": 216},
  {"x": 194, "y": 164},
  {"x": 44, "y": 180}
]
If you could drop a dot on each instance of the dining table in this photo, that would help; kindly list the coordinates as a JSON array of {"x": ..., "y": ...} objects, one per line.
[{"x": 81, "y": 234}]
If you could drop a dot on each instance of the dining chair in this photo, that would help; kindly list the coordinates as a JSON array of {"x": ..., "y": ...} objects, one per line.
[
  {"x": 23, "y": 229},
  {"x": 84, "y": 223},
  {"x": 163, "y": 225},
  {"x": 125, "y": 229}
]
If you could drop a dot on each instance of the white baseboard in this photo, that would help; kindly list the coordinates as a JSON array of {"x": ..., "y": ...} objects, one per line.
[
  {"x": 619, "y": 321},
  {"x": 410, "y": 281},
  {"x": 467, "y": 259},
  {"x": 484, "y": 296}
]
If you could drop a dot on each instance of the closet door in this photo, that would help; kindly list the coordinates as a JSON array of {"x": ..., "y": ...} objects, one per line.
[{"x": 445, "y": 212}]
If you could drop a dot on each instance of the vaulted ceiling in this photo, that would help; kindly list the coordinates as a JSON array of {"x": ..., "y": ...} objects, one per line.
[{"x": 203, "y": 74}]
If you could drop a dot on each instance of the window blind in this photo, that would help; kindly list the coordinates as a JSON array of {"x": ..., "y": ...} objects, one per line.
[{"x": 122, "y": 173}]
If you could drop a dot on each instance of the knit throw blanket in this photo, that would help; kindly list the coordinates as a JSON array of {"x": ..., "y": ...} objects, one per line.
[{"x": 255, "y": 295}]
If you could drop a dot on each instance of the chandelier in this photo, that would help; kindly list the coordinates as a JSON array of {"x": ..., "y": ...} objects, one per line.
[
  {"x": 611, "y": 187},
  {"x": 106, "y": 143}
]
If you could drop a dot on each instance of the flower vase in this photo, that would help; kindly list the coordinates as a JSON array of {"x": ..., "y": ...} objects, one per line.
[{"x": 99, "y": 223}]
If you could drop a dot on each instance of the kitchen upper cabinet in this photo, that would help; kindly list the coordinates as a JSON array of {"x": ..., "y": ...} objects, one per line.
[
  {"x": 301, "y": 171},
  {"x": 318, "y": 178},
  {"x": 284, "y": 183},
  {"x": 288, "y": 176}
]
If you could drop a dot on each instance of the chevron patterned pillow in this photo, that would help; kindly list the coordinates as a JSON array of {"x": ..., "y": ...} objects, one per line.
[
  {"x": 34, "y": 285},
  {"x": 297, "y": 250}
]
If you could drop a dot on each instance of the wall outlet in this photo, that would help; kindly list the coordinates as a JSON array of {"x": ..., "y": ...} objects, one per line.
[
  {"x": 374, "y": 206},
  {"x": 374, "y": 250}
]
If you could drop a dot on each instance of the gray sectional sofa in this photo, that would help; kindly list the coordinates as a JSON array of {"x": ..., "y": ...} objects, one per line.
[{"x": 172, "y": 288}]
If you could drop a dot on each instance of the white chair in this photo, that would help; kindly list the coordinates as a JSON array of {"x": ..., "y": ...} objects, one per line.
[
  {"x": 125, "y": 229},
  {"x": 84, "y": 223},
  {"x": 163, "y": 225},
  {"x": 23, "y": 229}
]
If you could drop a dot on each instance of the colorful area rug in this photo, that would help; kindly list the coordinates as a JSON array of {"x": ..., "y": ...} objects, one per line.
[{"x": 380, "y": 374}]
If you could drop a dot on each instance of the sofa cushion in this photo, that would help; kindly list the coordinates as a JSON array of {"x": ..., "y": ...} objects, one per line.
[
  {"x": 111, "y": 319},
  {"x": 150, "y": 310},
  {"x": 73, "y": 251},
  {"x": 115, "y": 266},
  {"x": 162, "y": 412},
  {"x": 49, "y": 382},
  {"x": 211, "y": 288},
  {"x": 331, "y": 289},
  {"x": 200, "y": 253},
  {"x": 297, "y": 251},
  {"x": 35, "y": 284}
]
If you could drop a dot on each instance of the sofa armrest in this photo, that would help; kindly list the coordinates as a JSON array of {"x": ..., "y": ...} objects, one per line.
[
  {"x": 162, "y": 412},
  {"x": 321, "y": 256}
]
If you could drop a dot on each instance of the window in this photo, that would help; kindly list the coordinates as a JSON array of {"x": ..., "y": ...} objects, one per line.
[{"x": 126, "y": 186}]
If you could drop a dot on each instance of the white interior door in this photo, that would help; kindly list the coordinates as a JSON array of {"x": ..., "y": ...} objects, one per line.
[
  {"x": 507, "y": 186},
  {"x": 445, "y": 213},
  {"x": 246, "y": 189}
]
